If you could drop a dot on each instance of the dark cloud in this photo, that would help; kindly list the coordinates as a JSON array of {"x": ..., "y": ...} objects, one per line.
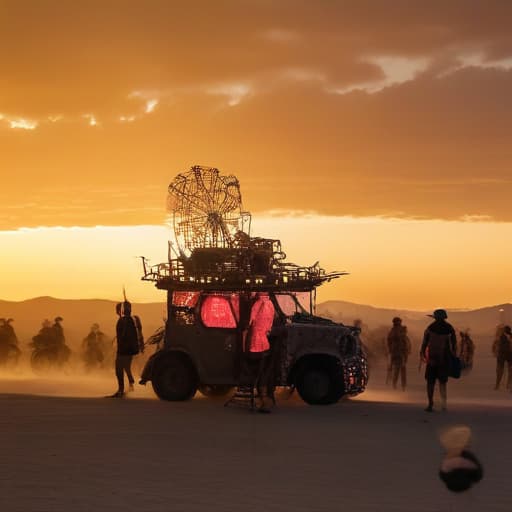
[{"x": 435, "y": 146}]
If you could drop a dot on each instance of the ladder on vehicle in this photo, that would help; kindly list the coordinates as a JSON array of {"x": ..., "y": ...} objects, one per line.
[{"x": 244, "y": 397}]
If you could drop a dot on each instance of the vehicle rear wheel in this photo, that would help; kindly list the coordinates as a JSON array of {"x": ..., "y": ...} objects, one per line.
[
  {"x": 174, "y": 379},
  {"x": 320, "y": 383},
  {"x": 214, "y": 390}
]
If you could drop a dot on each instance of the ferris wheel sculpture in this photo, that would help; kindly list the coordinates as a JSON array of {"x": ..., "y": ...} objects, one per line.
[{"x": 206, "y": 210}]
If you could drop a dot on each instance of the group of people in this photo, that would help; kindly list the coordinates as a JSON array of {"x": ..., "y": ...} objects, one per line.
[
  {"x": 49, "y": 345},
  {"x": 441, "y": 355},
  {"x": 438, "y": 350}
]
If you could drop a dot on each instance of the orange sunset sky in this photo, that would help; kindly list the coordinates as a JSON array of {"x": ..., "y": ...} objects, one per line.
[{"x": 373, "y": 136}]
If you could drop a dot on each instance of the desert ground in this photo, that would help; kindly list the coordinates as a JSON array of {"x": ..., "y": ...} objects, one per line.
[{"x": 66, "y": 448}]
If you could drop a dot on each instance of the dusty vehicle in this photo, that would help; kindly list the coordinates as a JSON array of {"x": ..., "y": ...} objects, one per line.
[
  {"x": 209, "y": 297},
  {"x": 204, "y": 339}
]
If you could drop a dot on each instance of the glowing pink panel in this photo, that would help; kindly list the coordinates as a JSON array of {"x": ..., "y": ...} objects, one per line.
[
  {"x": 262, "y": 317},
  {"x": 186, "y": 299},
  {"x": 216, "y": 312}
]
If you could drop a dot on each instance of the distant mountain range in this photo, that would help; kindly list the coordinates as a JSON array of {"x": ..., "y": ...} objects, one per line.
[
  {"x": 482, "y": 322},
  {"x": 80, "y": 314}
]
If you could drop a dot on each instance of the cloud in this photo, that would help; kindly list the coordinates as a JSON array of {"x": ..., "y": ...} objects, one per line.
[
  {"x": 234, "y": 92},
  {"x": 23, "y": 124},
  {"x": 363, "y": 108},
  {"x": 150, "y": 106},
  {"x": 91, "y": 119},
  {"x": 395, "y": 70}
]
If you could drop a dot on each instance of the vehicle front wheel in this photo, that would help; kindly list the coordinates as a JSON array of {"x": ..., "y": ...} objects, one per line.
[
  {"x": 319, "y": 384},
  {"x": 174, "y": 379}
]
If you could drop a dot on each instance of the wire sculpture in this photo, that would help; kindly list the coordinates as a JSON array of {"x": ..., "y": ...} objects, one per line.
[
  {"x": 216, "y": 250},
  {"x": 206, "y": 209}
]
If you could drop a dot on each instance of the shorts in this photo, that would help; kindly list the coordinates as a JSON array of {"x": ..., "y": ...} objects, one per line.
[{"x": 433, "y": 373}]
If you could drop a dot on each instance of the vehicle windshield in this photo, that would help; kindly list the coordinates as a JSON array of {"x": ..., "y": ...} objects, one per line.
[{"x": 294, "y": 302}]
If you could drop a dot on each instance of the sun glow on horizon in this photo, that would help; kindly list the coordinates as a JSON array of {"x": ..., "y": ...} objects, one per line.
[{"x": 411, "y": 264}]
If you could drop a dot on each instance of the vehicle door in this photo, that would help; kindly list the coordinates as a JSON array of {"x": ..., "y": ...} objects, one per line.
[{"x": 219, "y": 315}]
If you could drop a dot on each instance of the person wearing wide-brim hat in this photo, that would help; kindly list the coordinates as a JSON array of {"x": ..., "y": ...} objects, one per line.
[{"x": 439, "y": 342}]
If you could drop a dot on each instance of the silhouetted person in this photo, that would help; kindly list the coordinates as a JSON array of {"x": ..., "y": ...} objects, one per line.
[
  {"x": 63, "y": 351},
  {"x": 260, "y": 324},
  {"x": 502, "y": 350},
  {"x": 45, "y": 338},
  {"x": 9, "y": 349},
  {"x": 93, "y": 347},
  {"x": 362, "y": 331},
  {"x": 45, "y": 347},
  {"x": 399, "y": 348},
  {"x": 467, "y": 351},
  {"x": 439, "y": 343},
  {"x": 129, "y": 343}
]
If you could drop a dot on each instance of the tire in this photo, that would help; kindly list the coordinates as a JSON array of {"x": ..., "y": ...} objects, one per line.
[
  {"x": 174, "y": 379},
  {"x": 212, "y": 391},
  {"x": 320, "y": 383}
]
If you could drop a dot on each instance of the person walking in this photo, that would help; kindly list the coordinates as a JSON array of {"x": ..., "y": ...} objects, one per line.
[
  {"x": 94, "y": 348},
  {"x": 399, "y": 348},
  {"x": 129, "y": 343},
  {"x": 438, "y": 347},
  {"x": 502, "y": 350},
  {"x": 467, "y": 351}
]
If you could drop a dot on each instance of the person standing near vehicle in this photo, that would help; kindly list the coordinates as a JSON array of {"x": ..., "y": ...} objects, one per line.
[
  {"x": 467, "y": 351},
  {"x": 502, "y": 350},
  {"x": 439, "y": 345},
  {"x": 129, "y": 343},
  {"x": 260, "y": 324},
  {"x": 399, "y": 348}
]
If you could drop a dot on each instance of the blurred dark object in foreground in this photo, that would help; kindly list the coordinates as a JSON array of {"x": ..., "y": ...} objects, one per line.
[{"x": 460, "y": 468}]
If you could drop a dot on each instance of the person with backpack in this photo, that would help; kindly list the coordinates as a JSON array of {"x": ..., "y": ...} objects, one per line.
[
  {"x": 130, "y": 342},
  {"x": 502, "y": 350},
  {"x": 437, "y": 350},
  {"x": 399, "y": 348}
]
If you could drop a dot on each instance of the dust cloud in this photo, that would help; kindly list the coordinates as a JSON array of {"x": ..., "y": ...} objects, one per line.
[{"x": 73, "y": 380}]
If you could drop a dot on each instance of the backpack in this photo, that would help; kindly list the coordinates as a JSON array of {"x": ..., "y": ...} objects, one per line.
[
  {"x": 438, "y": 348},
  {"x": 138, "y": 328},
  {"x": 129, "y": 340}
]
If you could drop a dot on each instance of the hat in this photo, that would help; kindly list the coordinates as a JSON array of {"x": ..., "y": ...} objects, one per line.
[{"x": 439, "y": 314}]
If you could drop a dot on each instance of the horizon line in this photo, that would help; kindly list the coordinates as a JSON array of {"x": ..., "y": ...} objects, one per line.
[{"x": 395, "y": 308}]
